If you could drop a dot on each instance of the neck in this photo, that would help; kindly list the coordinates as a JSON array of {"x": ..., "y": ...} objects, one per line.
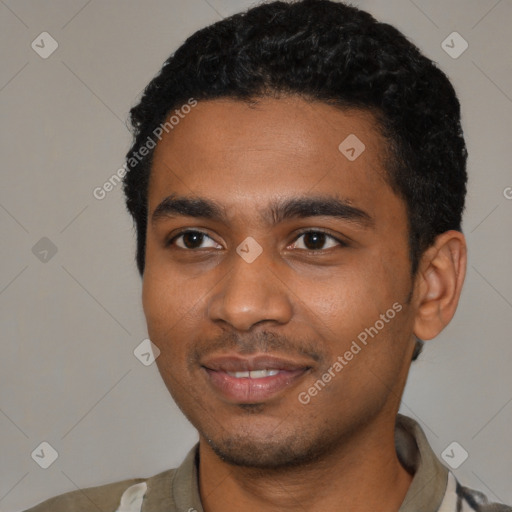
[{"x": 361, "y": 473}]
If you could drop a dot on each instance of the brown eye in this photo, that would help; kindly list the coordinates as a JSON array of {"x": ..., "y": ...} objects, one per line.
[
  {"x": 191, "y": 239},
  {"x": 316, "y": 240}
]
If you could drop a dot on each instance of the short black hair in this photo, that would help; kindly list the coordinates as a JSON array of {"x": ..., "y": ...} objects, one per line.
[{"x": 321, "y": 51}]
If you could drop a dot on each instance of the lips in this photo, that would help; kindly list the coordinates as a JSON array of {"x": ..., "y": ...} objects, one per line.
[{"x": 255, "y": 379}]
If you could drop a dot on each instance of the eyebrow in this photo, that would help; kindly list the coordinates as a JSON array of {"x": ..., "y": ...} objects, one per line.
[{"x": 278, "y": 211}]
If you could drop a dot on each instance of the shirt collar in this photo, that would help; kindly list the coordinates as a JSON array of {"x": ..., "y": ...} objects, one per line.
[
  {"x": 428, "y": 486},
  {"x": 425, "y": 493}
]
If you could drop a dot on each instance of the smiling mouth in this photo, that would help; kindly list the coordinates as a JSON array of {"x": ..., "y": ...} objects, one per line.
[{"x": 250, "y": 380}]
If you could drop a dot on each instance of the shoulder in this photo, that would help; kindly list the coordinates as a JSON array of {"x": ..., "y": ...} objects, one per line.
[
  {"x": 92, "y": 499},
  {"x": 462, "y": 499},
  {"x": 471, "y": 499}
]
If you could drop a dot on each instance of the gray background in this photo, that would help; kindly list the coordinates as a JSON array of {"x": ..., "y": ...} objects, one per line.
[{"x": 70, "y": 324}]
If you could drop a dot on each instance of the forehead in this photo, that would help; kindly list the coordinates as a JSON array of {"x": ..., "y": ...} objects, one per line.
[{"x": 242, "y": 154}]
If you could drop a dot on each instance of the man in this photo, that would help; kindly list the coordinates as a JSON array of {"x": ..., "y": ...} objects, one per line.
[{"x": 297, "y": 181}]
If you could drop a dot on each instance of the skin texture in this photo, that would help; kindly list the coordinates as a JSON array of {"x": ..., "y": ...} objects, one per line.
[{"x": 309, "y": 306}]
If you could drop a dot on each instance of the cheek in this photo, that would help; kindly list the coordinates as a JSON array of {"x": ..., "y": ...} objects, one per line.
[
  {"x": 156, "y": 298},
  {"x": 166, "y": 319},
  {"x": 165, "y": 294},
  {"x": 174, "y": 309},
  {"x": 351, "y": 302},
  {"x": 351, "y": 295},
  {"x": 166, "y": 302}
]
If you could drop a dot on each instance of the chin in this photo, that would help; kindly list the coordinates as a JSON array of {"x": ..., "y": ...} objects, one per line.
[{"x": 251, "y": 452}]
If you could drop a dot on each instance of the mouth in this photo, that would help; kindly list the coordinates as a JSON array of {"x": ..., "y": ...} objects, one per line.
[{"x": 252, "y": 380}]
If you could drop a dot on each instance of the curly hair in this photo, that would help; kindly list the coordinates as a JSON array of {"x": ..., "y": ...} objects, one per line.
[{"x": 321, "y": 51}]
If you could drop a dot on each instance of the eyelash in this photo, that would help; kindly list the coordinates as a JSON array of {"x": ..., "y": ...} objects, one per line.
[{"x": 301, "y": 233}]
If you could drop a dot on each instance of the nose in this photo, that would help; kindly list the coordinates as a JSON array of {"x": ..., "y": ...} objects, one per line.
[{"x": 250, "y": 293}]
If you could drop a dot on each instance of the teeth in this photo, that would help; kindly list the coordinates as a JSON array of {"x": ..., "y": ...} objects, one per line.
[
  {"x": 239, "y": 375},
  {"x": 255, "y": 374},
  {"x": 258, "y": 374}
]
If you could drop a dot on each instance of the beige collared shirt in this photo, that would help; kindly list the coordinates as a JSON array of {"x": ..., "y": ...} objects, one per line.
[{"x": 433, "y": 488}]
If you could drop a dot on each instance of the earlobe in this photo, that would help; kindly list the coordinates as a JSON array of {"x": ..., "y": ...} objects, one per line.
[{"x": 439, "y": 283}]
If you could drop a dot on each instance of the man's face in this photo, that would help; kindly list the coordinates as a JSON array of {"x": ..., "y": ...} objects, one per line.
[{"x": 255, "y": 287}]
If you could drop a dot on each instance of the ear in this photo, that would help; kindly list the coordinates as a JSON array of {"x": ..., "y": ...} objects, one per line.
[{"x": 438, "y": 283}]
